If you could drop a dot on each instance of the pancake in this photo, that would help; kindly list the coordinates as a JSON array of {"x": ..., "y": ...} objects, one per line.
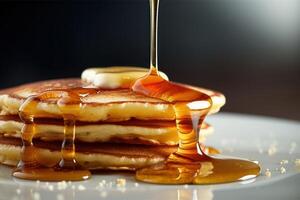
[
  {"x": 132, "y": 131},
  {"x": 104, "y": 155},
  {"x": 116, "y": 128},
  {"x": 107, "y": 105},
  {"x": 90, "y": 156},
  {"x": 111, "y": 115}
]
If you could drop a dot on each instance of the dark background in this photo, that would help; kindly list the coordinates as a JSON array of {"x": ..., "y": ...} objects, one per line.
[{"x": 247, "y": 49}]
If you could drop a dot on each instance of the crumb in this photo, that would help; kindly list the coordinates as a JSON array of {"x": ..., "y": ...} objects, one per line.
[
  {"x": 18, "y": 191},
  {"x": 36, "y": 196},
  {"x": 62, "y": 185},
  {"x": 268, "y": 173},
  {"x": 50, "y": 187},
  {"x": 81, "y": 187},
  {"x": 272, "y": 150},
  {"x": 100, "y": 184},
  {"x": 282, "y": 170},
  {"x": 284, "y": 162},
  {"x": 121, "y": 182}
]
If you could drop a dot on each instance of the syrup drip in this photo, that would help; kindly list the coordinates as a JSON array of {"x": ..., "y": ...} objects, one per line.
[
  {"x": 189, "y": 164},
  {"x": 29, "y": 166}
]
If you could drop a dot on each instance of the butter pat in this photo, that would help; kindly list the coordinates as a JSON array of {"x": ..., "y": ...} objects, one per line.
[{"x": 114, "y": 77}]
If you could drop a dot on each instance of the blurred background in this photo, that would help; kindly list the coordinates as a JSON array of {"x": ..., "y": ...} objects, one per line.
[{"x": 249, "y": 50}]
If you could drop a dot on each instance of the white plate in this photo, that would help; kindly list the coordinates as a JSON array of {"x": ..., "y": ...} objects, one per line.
[{"x": 267, "y": 140}]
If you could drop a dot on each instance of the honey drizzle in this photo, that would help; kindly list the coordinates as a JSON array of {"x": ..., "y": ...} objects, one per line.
[
  {"x": 189, "y": 164},
  {"x": 29, "y": 166},
  {"x": 154, "y": 5}
]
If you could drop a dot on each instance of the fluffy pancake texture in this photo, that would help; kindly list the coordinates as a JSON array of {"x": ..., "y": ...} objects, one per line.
[
  {"x": 116, "y": 128},
  {"x": 106, "y": 105},
  {"x": 100, "y": 155},
  {"x": 133, "y": 131},
  {"x": 90, "y": 156}
]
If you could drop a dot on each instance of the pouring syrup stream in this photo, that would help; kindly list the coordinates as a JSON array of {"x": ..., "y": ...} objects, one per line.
[{"x": 189, "y": 164}]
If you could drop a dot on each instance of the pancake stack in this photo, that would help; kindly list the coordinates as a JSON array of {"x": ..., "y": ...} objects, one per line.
[{"x": 115, "y": 127}]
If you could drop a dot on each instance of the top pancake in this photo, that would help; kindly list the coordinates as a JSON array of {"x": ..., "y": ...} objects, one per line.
[{"x": 106, "y": 105}]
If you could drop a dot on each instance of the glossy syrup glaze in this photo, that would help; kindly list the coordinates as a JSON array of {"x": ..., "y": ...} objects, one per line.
[
  {"x": 29, "y": 166},
  {"x": 68, "y": 101}
]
